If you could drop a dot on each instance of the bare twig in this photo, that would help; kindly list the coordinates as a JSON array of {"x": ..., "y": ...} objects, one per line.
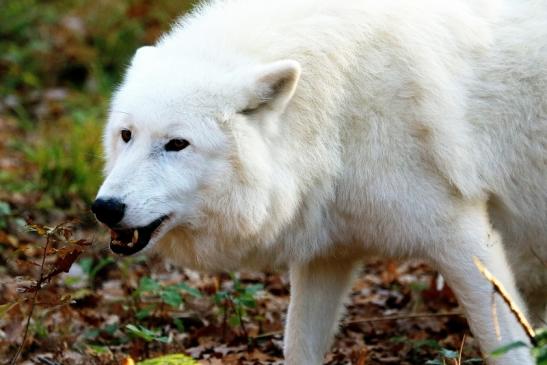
[
  {"x": 498, "y": 287},
  {"x": 405, "y": 316},
  {"x": 65, "y": 257},
  {"x": 267, "y": 335},
  {"x": 32, "y": 302},
  {"x": 376, "y": 319}
]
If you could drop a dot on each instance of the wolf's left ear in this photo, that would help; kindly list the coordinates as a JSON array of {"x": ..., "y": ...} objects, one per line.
[{"x": 273, "y": 86}]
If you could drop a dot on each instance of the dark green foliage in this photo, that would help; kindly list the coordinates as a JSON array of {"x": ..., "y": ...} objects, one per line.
[
  {"x": 235, "y": 302},
  {"x": 171, "y": 295},
  {"x": 539, "y": 348}
]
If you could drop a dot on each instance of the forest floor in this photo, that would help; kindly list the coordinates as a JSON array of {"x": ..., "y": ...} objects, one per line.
[{"x": 108, "y": 308}]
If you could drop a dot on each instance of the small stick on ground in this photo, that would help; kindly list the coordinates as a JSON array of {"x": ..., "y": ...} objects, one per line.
[
  {"x": 32, "y": 303},
  {"x": 376, "y": 319},
  {"x": 498, "y": 287},
  {"x": 405, "y": 316}
]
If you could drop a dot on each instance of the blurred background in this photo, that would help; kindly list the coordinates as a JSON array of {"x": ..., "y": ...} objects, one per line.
[
  {"x": 59, "y": 62},
  {"x": 71, "y": 301}
]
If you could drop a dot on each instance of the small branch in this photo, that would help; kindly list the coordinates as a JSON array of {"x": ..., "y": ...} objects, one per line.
[
  {"x": 266, "y": 335},
  {"x": 498, "y": 287},
  {"x": 32, "y": 303},
  {"x": 376, "y": 319},
  {"x": 405, "y": 316}
]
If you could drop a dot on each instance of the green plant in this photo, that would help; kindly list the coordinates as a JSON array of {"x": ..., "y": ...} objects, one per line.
[
  {"x": 235, "y": 302},
  {"x": 92, "y": 267},
  {"x": 150, "y": 290},
  {"x": 93, "y": 333},
  {"x": 449, "y": 357},
  {"x": 68, "y": 160},
  {"x": 538, "y": 348},
  {"x": 5, "y": 212},
  {"x": 146, "y": 334},
  {"x": 38, "y": 329}
]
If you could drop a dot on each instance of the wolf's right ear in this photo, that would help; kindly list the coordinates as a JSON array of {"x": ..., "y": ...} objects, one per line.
[{"x": 273, "y": 86}]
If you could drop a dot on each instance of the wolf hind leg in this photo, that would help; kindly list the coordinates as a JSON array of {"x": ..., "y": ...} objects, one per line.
[{"x": 471, "y": 235}]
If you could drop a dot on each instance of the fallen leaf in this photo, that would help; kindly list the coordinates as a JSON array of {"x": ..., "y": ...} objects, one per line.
[
  {"x": 174, "y": 359},
  {"x": 65, "y": 258},
  {"x": 5, "y": 308},
  {"x": 127, "y": 361}
]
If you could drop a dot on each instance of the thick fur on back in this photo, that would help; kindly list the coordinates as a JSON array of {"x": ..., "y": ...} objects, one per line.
[{"x": 405, "y": 114}]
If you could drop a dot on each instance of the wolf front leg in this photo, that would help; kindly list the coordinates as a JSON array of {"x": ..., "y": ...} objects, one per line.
[
  {"x": 472, "y": 236},
  {"x": 318, "y": 289}
]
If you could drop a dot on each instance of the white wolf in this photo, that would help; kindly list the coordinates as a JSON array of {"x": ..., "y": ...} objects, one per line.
[{"x": 312, "y": 134}]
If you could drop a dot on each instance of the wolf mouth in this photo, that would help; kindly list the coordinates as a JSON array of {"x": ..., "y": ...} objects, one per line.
[{"x": 132, "y": 240}]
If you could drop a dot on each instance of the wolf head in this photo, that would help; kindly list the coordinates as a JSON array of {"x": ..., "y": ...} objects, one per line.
[{"x": 191, "y": 146}]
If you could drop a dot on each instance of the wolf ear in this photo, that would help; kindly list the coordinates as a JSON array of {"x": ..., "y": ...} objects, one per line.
[
  {"x": 143, "y": 53},
  {"x": 273, "y": 86}
]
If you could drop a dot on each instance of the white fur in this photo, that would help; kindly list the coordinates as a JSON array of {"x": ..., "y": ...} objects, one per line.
[{"x": 402, "y": 128}]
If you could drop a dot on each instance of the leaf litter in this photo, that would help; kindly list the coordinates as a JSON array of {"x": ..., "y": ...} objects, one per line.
[{"x": 95, "y": 308}]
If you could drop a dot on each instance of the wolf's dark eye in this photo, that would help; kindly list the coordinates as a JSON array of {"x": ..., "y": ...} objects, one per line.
[
  {"x": 126, "y": 135},
  {"x": 176, "y": 144}
]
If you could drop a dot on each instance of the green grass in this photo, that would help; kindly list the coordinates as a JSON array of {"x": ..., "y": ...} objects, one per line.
[{"x": 68, "y": 158}]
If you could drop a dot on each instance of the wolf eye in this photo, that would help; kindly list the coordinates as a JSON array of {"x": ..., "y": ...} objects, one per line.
[
  {"x": 176, "y": 144},
  {"x": 126, "y": 135}
]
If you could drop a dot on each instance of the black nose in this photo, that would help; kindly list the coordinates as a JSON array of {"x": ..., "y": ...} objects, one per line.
[{"x": 108, "y": 211}]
